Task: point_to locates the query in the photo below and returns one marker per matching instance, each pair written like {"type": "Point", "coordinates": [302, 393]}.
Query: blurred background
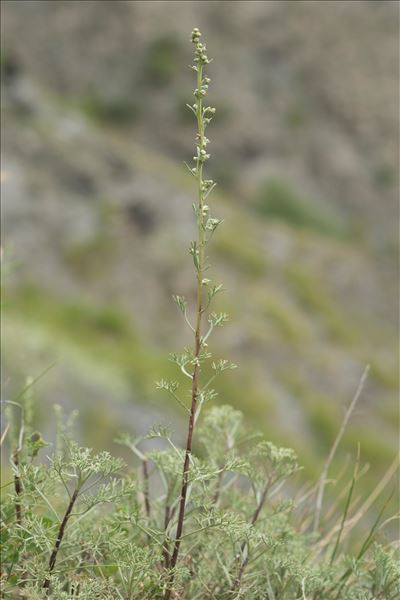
{"type": "Point", "coordinates": [97, 213]}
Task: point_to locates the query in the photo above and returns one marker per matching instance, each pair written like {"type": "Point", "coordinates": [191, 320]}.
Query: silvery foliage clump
{"type": "Point", "coordinates": [76, 524]}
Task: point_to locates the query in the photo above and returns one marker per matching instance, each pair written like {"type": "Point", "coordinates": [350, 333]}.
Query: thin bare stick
{"type": "Point", "coordinates": [347, 506]}
{"type": "Point", "coordinates": [352, 521]}
{"type": "Point", "coordinates": [4, 434]}
{"type": "Point", "coordinates": [324, 474]}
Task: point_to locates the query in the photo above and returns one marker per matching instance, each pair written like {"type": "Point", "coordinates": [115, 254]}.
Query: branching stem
{"type": "Point", "coordinates": [244, 548]}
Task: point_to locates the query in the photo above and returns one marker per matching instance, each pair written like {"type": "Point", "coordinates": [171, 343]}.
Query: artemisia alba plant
{"type": "Point", "coordinates": [76, 525]}
{"type": "Point", "coordinates": [191, 361]}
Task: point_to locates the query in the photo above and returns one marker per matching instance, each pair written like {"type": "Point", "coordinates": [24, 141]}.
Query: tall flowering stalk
{"type": "Point", "coordinates": [190, 362]}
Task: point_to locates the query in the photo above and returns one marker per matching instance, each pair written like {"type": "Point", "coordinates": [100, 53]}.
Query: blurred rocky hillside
{"type": "Point", "coordinates": [97, 211]}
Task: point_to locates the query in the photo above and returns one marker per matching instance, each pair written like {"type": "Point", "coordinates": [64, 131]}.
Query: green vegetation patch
{"type": "Point", "coordinates": [384, 176]}
{"type": "Point", "coordinates": [374, 448]}
{"type": "Point", "coordinates": [105, 333]}
{"type": "Point", "coordinates": [320, 409]}
{"type": "Point", "coordinates": [242, 252]}
{"type": "Point", "coordinates": [118, 111]}
{"type": "Point", "coordinates": [89, 258]}
{"type": "Point", "coordinates": [162, 60]}
{"type": "Point", "coordinates": [385, 372]}
{"type": "Point", "coordinates": [311, 294]}
{"type": "Point", "coordinates": [287, 319]}
{"type": "Point", "coordinates": [278, 200]}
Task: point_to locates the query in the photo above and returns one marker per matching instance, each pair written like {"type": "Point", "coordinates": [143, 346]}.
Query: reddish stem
{"type": "Point", "coordinates": [146, 487]}
{"type": "Point", "coordinates": [18, 509]}
{"type": "Point", "coordinates": [186, 467]}
{"type": "Point", "coordinates": [58, 541]}
{"type": "Point", "coordinates": [18, 489]}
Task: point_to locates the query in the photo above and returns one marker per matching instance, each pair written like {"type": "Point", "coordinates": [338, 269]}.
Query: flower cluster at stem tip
{"type": "Point", "coordinates": [204, 114]}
